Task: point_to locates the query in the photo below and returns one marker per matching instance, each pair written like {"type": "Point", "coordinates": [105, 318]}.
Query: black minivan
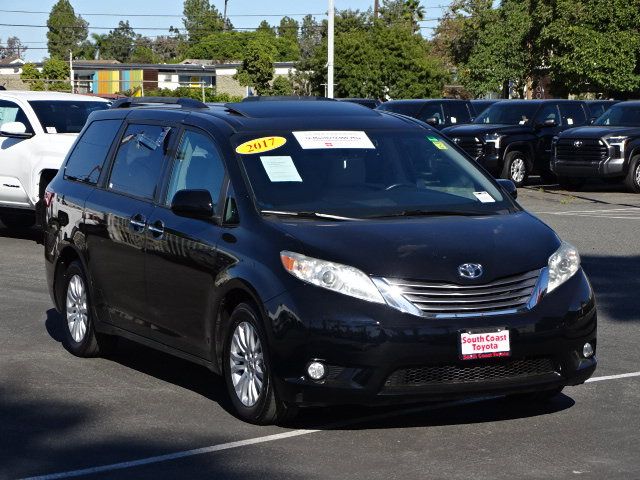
{"type": "Point", "coordinates": [312, 253]}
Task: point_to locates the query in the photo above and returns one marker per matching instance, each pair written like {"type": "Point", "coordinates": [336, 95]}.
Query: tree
{"type": "Point", "coordinates": [32, 77]}
{"type": "Point", "coordinates": [54, 76]}
{"type": "Point", "coordinates": [264, 27]}
{"type": "Point", "coordinates": [119, 43]}
{"type": "Point", "coordinates": [13, 49]}
{"type": "Point", "coordinates": [257, 68]}
{"type": "Point", "coordinates": [281, 86]}
{"type": "Point", "coordinates": [66, 30]}
{"type": "Point", "coordinates": [592, 46]}
{"type": "Point", "coordinates": [201, 19]}
{"type": "Point", "coordinates": [402, 12]}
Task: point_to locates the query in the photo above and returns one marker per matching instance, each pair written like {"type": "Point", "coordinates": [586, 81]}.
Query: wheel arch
{"type": "Point", "coordinates": [66, 257]}
{"type": "Point", "coordinates": [523, 147]}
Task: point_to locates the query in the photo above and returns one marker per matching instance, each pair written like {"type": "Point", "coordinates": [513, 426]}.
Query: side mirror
{"type": "Point", "coordinates": [508, 186]}
{"type": "Point", "coordinates": [193, 204]}
{"type": "Point", "coordinates": [549, 122]}
{"type": "Point", "coordinates": [14, 130]}
{"type": "Point", "coordinates": [433, 121]}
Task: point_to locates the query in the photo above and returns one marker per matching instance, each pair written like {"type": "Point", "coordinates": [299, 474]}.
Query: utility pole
{"type": "Point", "coordinates": [224, 16]}
{"type": "Point", "coordinates": [330, 45]}
{"type": "Point", "coordinates": [71, 70]}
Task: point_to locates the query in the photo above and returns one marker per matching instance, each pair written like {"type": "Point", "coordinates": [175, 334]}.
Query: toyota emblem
{"type": "Point", "coordinates": [470, 270]}
{"type": "Point", "coordinates": [577, 143]}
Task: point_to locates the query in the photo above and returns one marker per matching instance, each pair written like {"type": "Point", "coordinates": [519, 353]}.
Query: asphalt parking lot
{"type": "Point", "coordinates": [145, 415]}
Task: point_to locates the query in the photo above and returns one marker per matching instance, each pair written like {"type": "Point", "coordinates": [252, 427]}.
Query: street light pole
{"type": "Point", "coordinates": [71, 70]}
{"type": "Point", "coordinates": [330, 45]}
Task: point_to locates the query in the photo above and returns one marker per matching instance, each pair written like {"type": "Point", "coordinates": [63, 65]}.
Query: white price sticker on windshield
{"type": "Point", "coordinates": [330, 140]}
{"type": "Point", "coordinates": [281, 169]}
{"type": "Point", "coordinates": [484, 197]}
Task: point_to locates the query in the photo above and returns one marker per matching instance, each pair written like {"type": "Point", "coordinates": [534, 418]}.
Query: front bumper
{"type": "Point", "coordinates": [363, 344]}
{"type": "Point", "coordinates": [611, 167]}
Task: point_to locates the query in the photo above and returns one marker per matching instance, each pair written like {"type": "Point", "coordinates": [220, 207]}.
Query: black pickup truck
{"type": "Point", "coordinates": [609, 149]}
{"type": "Point", "coordinates": [512, 138]}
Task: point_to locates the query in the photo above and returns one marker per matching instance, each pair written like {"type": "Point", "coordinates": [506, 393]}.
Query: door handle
{"type": "Point", "coordinates": [156, 229]}
{"type": "Point", "coordinates": [137, 223]}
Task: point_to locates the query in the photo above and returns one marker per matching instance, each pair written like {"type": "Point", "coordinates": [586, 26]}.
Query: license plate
{"type": "Point", "coordinates": [486, 344]}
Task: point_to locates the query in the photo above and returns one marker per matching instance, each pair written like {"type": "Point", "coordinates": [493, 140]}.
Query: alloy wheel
{"type": "Point", "coordinates": [247, 364]}
{"type": "Point", "coordinates": [518, 170]}
{"type": "Point", "coordinates": [77, 313]}
{"type": "Point", "coordinates": [637, 175]}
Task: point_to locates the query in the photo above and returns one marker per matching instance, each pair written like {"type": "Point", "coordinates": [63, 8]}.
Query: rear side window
{"type": "Point", "coordinates": [458, 112]}
{"type": "Point", "coordinates": [408, 108]}
{"type": "Point", "coordinates": [87, 159]}
{"type": "Point", "coordinates": [139, 161]}
{"type": "Point", "coordinates": [572, 114]}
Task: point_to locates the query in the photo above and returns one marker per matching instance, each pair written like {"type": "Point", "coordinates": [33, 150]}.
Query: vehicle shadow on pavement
{"type": "Point", "coordinates": [157, 364]}
{"type": "Point", "coordinates": [44, 435]}
{"type": "Point", "coordinates": [616, 283]}
{"type": "Point", "coordinates": [583, 192]}
{"type": "Point", "coordinates": [32, 234]}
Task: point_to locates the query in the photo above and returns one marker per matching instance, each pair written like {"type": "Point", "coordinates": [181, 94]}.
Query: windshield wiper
{"type": "Point", "coordinates": [434, 213]}
{"type": "Point", "coordinates": [303, 214]}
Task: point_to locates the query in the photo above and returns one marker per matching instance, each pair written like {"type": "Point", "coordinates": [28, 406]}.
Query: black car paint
{"type": "Point", "coordinates": [535, 141]}
{"type": "Point", "coordinates": [608, 167]}
{"type": "Point", "coordinates": [174, 291]}
{"type": "Point", "coordinates": [417, 109]}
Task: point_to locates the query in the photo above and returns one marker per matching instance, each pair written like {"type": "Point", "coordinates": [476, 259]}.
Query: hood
{"type": "Point", "coordinates": [598, 131]}
{"type": "Point", "coordinates": [430, 248]}
{"type": "Point", "coordinates": [479, 129]}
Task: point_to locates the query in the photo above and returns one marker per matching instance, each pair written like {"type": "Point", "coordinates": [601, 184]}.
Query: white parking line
{"type": "Point", "coordinates": [630, 213]}
{"type": "Point", "coordinates": [272, 438]}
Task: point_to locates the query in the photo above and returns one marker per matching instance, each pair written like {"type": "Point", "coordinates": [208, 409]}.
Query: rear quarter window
{"type": "Point", "coordinates": [89, 155]}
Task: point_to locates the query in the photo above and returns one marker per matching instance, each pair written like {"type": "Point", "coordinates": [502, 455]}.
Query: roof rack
{"type": "Point", "coordinates": [130, 102]}
{"type": "Point", "coordinates": [277, 98]}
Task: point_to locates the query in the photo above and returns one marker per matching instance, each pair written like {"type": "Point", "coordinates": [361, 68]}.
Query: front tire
{"type": "Point", "coordinates": [515, 168]}
{"type": "Point", "coordinates": [80, 337]}
{"type": "Point", "coordinates": [632, 180]}
{"type": "Point", "coordinates": [247, 370]}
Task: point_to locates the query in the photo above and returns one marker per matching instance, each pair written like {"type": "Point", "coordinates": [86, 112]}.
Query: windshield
{"type": "Point", "coordinates": [64, 116]}
{"type": "Point", "coordinates": [620, 116]}
{"type": "Point", "coordinates": [508, 113]}
{"type": "Point", "coordinates": [361, 174]}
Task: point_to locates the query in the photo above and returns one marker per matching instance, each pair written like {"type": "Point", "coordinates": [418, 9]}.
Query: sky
{"type": "Point", "coordinates": [243, 14]}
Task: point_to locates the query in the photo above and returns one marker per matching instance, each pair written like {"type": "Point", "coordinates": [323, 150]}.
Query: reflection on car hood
{"type": "Point", "coordinates": [479, 129]}
{"type": "Point", "coordinates": [429, 248]}
{"type": "Point", "coordinates": [598, 131]}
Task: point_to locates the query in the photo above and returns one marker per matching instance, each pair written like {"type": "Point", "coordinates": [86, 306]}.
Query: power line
{"type": "Point", "coordinates": [167, 15]}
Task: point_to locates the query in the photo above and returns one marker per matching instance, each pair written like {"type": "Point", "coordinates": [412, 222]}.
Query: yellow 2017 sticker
{"type": "Point", "coordinates": [260, 145]}
{"type": "Point", "coordinates": [439, 144]}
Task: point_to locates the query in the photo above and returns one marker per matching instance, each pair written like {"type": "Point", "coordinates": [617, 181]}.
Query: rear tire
{"type": "Point", "coordinates": [18, 220]}
{"type": "Point", "coordinates": [632, 180]}
{"type": "Point", "coordinates": [515, 168]}
{"type": "Point", "coordinates": [247, 370]}
{"type": "Point", "coordinates": [80, 337]}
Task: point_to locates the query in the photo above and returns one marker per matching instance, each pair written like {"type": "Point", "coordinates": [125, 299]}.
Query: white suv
{"type": "Point", "coordinates": [37, 129]}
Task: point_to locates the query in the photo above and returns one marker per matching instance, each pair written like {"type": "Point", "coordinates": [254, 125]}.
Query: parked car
{"type": "Point", "coordinates": [609, 149]}
{"type": "Point", "coordinates": [598, 107]}
{"type": "Point", "coordinates": [366, 102]}
{"type": "Point", "coordinates": [438, 113]}
{"type": "Point", "coordinates": [36, 131]}
{"type": "Point", "coordinates": [512, 138]}
{"type": "Point", "coordinates": [481, 104]}
{"type": "Point", "coordinates": [312, 253]}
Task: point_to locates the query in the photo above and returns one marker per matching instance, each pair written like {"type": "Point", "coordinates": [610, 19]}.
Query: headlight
{"type": "Point", "coordinates": [618, 145]}
{"type": "Point", "coordinates": [563, 264]}
{"type": "Point", "coordinates": [493, 138]}
{"type": "Point", "coordinates": [332, 276]}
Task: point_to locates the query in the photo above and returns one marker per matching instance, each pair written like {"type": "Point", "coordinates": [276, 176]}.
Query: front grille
{"type": "Point", "coordinates": [456, 374]}
{"type": "Point", "coordinates": [473, 146]}
{"type": "Point", "coordinates": [444, 298]}
{"type": "Point", "coordinates": [581, 150]}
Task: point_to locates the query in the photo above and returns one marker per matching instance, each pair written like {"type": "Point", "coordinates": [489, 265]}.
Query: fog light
{"type": "Point", "coordinates": [587, 350]}
{"type": "Point", "coordinates": [316, 370]}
